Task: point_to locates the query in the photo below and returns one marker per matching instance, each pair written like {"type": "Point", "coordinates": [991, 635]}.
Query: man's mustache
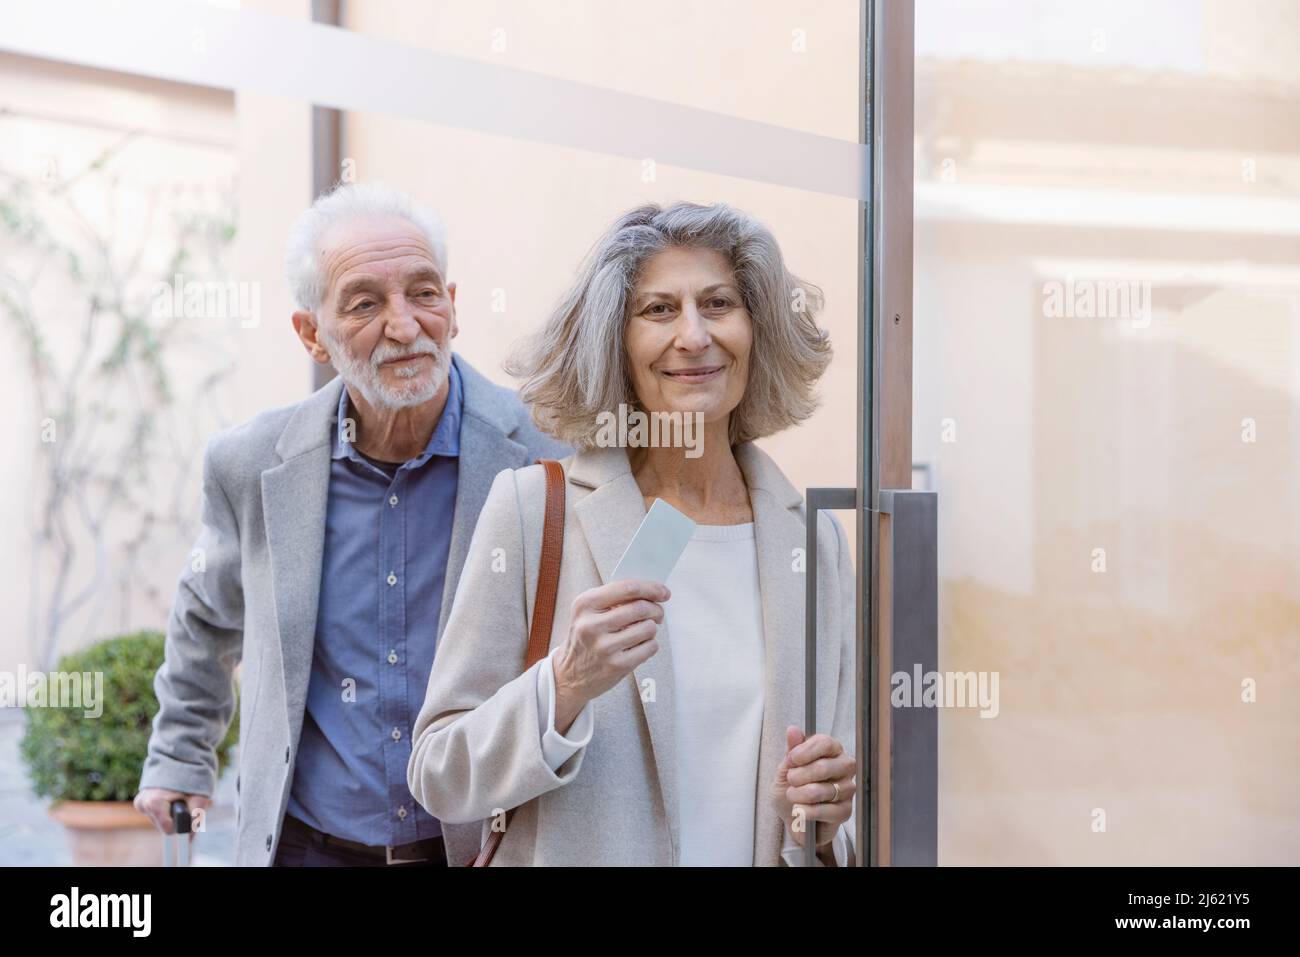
{"type": "Point", "coordinates": [387, 353]}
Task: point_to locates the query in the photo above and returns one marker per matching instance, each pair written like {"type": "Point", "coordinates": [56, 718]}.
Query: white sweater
{"type": "Point", "coordinates": [715, 624]}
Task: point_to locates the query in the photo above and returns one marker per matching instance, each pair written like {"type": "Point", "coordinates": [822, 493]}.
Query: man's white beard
{"type": "Point", "coordinates": [366, 378]}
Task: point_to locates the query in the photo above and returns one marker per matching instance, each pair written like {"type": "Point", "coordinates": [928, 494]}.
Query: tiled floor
{"type": "Point", "coordinates": [30, 837]}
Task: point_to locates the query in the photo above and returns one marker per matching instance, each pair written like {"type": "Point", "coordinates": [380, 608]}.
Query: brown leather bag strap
{"type": "Point", "coordinates": [548, 581]}
{"type": "Point", "coordinates": [548, 571]}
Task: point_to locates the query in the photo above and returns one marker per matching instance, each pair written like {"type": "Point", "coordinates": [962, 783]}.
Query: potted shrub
{"type": "Point", "coordinates": [90, 766]}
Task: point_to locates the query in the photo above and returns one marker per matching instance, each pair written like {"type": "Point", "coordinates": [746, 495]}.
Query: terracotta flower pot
{"type": "Point", "coordinates": [109, 834]}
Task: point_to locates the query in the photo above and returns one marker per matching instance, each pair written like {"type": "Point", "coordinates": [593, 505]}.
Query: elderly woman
{"type": "Point", "coordinates": [664, 725]}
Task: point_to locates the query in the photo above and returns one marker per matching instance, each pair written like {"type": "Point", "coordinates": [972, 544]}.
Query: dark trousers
{"type": "Point", "coordinates": [301, 846]}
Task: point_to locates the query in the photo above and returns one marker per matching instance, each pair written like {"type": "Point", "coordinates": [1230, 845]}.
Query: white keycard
{"type": "Point", "coordinates": [656, 546]}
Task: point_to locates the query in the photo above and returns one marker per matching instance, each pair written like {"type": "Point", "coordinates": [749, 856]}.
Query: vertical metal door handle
{"type": "Point", "coordinates": [818, 499]}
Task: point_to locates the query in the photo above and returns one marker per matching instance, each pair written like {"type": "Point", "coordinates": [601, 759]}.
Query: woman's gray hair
{"type": "Point", "coordinates": [350, 201]}
{"type": "Point", "coordinates": [576, 367]}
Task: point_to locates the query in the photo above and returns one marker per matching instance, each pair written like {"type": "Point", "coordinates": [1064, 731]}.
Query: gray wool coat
{"type": "Point", "coordinates": [254, 594]}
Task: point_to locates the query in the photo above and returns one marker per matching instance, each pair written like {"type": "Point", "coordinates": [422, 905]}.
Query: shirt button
{"type": "Point", "coordinates": [392, 657]}
{"type": "Point", "coordinates": [397, 735]}
{"type": "Point", "coordinates": [392, 500]}
{"type": "Point", "coordinates": [392, 578]}
{"type": "Point", "coordinates": [401, 813]}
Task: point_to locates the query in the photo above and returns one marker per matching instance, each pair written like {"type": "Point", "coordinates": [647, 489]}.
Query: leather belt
{"type": "Point", "coordinates": [428, 849]}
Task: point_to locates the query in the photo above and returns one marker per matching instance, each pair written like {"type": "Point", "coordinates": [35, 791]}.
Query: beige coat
{"type": "Point", "coordinates": [477, 742]}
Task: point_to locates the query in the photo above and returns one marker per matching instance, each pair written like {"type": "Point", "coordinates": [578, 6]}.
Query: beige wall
{"type": "Point", "coordinates": [172, 150]}
{"type": "Point", "coordinates": [166, 151]}
{"type": "Point", "coordinates": [521, 215]}
{"type": "Point", "coordinates": [274, 156]}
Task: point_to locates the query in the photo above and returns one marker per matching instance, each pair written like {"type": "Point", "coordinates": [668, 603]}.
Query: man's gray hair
{"type": "Point", "coordinates": [350, 201]}
{"type": "Point", "coordinates": [575, 367]}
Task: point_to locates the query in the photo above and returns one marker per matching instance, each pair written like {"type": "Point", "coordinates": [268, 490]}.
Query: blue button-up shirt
{"type": "Point", "coordinates": [387, 531]}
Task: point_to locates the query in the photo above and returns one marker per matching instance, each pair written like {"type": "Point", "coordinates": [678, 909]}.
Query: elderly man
{"type": "Point", "coordinates": [334, 531]}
